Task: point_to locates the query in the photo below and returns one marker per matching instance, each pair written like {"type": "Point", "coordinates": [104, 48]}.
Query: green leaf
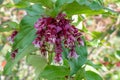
{"type": "Point", "coordinates": [94, 5]}
{"type": "Point", "coordinates": [111, 30]}
{"type": "Point", "coordinates": [52, 72]}
{"type": "Point", "coordinates": [88, 62]}
{"type": "Point", "coordinates": [90, 75]}
{"type": "Point", "coordinates": [16, 1]}
{"type": "Point", "coordinates": [27, 32]}
{"type": "Point", "coordinates": [83, 2]}
{"type": "Point", "coordinates": [94, 43]}
{"type": "Point", "coordinates": [65, 52]}
{"type": "Point", "coordinates": [96, 34]}
{"type": "Point", "coordinates": [7, 56]}
{"type": "Point", "coordinates": [118, 52]}
{"type": "Point", "coordinates": [85, 29]}
{"type": "Point", "coordinates": [34, 10]}
{"type": "Point", "coordinates": [106, 59]}
{"type": "Point", "coordinates": [5, 29]}
{"type": "Point", "coordinates": [28, 22]}
{"type": "Point", "coordinates": [22, 4]}
{"type": "Point", "coordinates": [60, 3]}
{"type": "Point", "coordinates": [82, 52]}
{"type": "Point", "coordinates": [22, 52]}
{"type": "Point", "coordinates": [80, 74]}
{"type": "Point", "coordinates": [46, 3]}
{"type": "Point", "coordinates": [75, 8]}
{"type": "Point", "coordinates": [23, 42]}
{"type": "Point", "coordinates": [10, 26]}
{"type": "Point", "coordinates": [38, 62]}
{"type": "Point", "coordinates": [76, 64]}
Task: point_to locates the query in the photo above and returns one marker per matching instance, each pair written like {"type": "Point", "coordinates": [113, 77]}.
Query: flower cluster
{"type": "Point", "coordinates": [11, 40]}
{"type": "Point", "coordinates": [13, 54]}
{"type": "Point", "coordinates": [56, 31]}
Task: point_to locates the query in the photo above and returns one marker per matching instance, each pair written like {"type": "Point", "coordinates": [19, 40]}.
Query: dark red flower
{"type": "Point", "coordinates": [37, 42]}
{"type": "Point", "coordinates": [73, 54]}
{"type": "Point", "coordinates": [80, 41]}
{"type": "Point", "coordinates": [56, 31]}
{"type": "Point", "coordinates": [11, 38]}
{"type": "Point", "coordinates": [58, 58]}
{"type": "Point", "coordinates": [13, 54]}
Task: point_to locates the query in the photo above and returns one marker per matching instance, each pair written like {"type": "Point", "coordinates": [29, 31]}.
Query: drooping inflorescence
{"type": "Point", "coordinates": [13, 54]}
{"type": "Point", "coordinates": [56, 31]}
{"type": "Point", "coordinates": [11, 40]}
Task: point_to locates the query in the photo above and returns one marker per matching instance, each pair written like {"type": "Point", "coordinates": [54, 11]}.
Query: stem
{"type": "Point", "coordinates": [50, 57]}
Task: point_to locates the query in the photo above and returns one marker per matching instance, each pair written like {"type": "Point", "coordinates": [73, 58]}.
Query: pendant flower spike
{"type": "Point", "coordinates": [11, 40]}
{"type": "Point", "coordinates": [14, 53]}
{"type": "Point", "coordinates": [56, 31]}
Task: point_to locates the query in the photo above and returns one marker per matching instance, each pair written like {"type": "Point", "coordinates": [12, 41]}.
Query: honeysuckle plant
{"type": "Point", "coordinates": [50, 41]}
